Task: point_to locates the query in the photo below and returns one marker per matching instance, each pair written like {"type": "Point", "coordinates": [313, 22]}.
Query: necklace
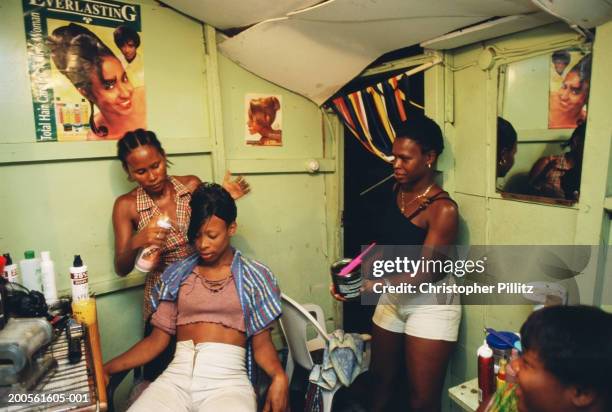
{"type": "Point", "coordinates": [214, 286]}
{"type": "Point", "coordinates": [422, 195]}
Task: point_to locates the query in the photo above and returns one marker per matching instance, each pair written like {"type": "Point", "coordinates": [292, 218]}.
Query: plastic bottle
{"type": "Point", "coordinates": [47, 271]}
{"type": "Point", "coordinates": [10, 269]}
{"type": "Point", "coordinates": [80, 280]}
{"type": "Point", "coordinates": [486, 377]}
{"type": "Point", "coordinates": [148, 257]}
{"type": "Point", "coordinates": [84, 113]}
{"type": "Point", "coordinates": [77, 125]}
{"type": "Point", "coordinates": [30, 271]}
{"type": "Point", "coordinates": [67, 117]}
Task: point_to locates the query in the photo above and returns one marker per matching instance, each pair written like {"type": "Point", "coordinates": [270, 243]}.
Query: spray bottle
{"type": "Point", "coordinates": [148, 257]}
{"type": "Point", "coordinates": [80, 280]}
{"type": "Point", "coordinates": [10, 269]}
{"type": "Point", "coordinates": [47, 270]}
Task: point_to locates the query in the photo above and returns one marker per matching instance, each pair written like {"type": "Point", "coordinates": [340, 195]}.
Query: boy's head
{"type": "Point", "coordinates": [213, 221]}
{"type": "Point", "coordinates": [560, 60]}
{"type": "Point", "coordinates": [567, 360]}
{"type": "Point", "coordinates": [127, 40]}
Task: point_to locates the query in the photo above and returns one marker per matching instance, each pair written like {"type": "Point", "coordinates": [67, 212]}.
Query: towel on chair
{"type": "Point", "coordinates": [342, 361]}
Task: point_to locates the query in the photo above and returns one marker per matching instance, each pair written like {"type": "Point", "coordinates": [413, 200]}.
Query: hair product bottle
{"type": "Point", "coordinates": [77, 125]}
{"type": "Point", "coordinates": [486, 376]}
{"type": "Point", "coordinates": [47, 271]}
{"type": "Point", "coordinates": [79, 279]}
{"type": "Point", "coordinates": [67, 117]}
{"type": "Point", "coordinates": [30, 271]}
{"type": "Point", "coordinates": [148, 257]}
{"type": "Point", "coordinates": [10, 269]}
{"type": "Point", "coordinates": [85, 113]}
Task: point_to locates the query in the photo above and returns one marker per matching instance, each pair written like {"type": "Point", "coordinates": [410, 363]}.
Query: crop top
{"type": "Point", "coordinates": [196, 303]}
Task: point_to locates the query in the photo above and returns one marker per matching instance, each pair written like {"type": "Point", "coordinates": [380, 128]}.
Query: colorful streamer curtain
{"type": "Point", "coordinates": [372, 114]}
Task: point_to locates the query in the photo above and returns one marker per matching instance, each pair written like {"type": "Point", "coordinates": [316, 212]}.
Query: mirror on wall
{"type": "Point", "coordinates": [542, 114]}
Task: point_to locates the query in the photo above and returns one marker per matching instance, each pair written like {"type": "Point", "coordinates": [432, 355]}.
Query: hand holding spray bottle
{"type": "Point", "coordinates": [148, 258]}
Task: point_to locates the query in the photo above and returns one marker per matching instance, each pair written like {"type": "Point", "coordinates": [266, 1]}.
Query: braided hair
{"type": "Point", "coordinates": [134, 139]}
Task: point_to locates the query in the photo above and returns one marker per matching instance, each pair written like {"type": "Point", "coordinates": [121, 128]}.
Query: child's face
{"type": "Point", "coordinates": [213, 239]}
{"type": "Point", "coordinates": [559, 66]}
{"type": "Point", "coordinates": [129, 50]}
{"type": "Point", "coordinates": [539, 390]}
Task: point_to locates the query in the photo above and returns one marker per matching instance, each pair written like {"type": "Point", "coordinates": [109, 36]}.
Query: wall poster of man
{"type": "Point", "coordinates": [86, 68]}
{"type": "Point", "coordinates": [263, 120]}
{"type": "Point", "coordinates": [570, 73]}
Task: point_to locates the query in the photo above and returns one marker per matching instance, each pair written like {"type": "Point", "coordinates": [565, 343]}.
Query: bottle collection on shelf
{"type": "Point", "coordinates": [39, 274]}
{"type": "Point", "coordinates": [495, 370]}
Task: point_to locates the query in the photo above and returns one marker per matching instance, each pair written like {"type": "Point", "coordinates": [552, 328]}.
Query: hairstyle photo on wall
{"type": "Point", "coordinates": [86, 70]}
{"type": "Point", "coordinates": [263, 120]}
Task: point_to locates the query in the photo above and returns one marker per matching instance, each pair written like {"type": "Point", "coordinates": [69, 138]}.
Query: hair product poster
{"type": "Point", "coordinates": [85, 60]}
{"type": "Point", "coordinates": [570, 78]}
{"type": "Point", "coordinates": [263, 119]}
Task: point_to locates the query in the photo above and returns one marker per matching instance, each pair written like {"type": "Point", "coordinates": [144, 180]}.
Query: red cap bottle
{"type": "Point", "coordinates": [486, 375]}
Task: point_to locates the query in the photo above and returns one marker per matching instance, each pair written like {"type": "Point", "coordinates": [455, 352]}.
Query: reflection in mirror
{"type": "Point", "coordinates": [541, 125]}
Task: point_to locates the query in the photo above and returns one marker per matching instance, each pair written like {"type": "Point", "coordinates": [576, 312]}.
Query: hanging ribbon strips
{"type": "Point", "coordinates": [372, 114]}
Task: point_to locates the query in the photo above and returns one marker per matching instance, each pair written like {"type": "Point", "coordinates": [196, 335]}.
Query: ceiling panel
{"type": "Point", "coordinates": [227, 14]}
{"type": "Point", "coordinates": [314, 48]}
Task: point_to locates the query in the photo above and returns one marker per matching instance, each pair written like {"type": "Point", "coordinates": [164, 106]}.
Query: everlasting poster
{"type": "Point", "coordinates": [85, 60]}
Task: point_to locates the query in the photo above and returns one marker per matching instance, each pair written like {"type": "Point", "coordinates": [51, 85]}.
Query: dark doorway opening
{"type": "Point", "coordinates": [362, 169]}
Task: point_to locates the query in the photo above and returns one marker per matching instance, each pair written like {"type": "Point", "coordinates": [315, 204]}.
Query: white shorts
{"type": "Point", "coordinates": [208, 376]}
{"type": "Point", "coordinates": [436, 322]}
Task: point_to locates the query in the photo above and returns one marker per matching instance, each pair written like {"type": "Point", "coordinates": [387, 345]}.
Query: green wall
{"type": "Point", "coordinates": [59, 196]}
{"type": "Point", "coordinates": [464, 98]}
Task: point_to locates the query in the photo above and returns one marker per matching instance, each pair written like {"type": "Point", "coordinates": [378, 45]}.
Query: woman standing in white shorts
{"type": "Point", "coordinates": [417, 212]}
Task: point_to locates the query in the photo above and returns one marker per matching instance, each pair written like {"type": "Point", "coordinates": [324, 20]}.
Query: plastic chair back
{"type": "Point", "coordinates": [295, 321]}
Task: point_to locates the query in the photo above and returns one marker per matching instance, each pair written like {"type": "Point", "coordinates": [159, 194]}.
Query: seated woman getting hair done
{"type": "Point", "coordinates": [135, 216]}
{"type": "Point", "coordinates": [220, 304]}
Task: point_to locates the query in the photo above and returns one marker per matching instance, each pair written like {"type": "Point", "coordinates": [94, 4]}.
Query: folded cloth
{"type": "Point", "coordinates": [342, 361]}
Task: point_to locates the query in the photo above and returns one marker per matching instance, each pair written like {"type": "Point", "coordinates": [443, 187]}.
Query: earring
{"type": "Point", "coordinates": [429, 165]}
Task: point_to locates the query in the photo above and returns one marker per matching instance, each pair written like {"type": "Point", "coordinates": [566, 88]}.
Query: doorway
{"type": "Point", "coordinates": [362, 169]}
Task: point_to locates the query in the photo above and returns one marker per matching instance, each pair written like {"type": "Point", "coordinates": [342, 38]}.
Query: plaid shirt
{"type": "Point", "coordinates": [177, 246]}
{"type": "Point", "coordinates": [256, 286]}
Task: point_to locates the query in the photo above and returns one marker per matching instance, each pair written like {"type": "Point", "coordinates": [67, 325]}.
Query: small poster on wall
{"type": "Point", "coordinates": [264, 120]}
{"type": "Point", "coordinates": [570, 73]}
{"type": "Point", "coordinates": [85, 61]}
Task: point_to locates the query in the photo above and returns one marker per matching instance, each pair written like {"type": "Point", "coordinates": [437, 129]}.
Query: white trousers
{"type": "Point", "coordinates": [208, 376]}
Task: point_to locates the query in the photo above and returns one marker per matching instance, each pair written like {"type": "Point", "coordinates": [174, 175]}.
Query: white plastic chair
{"type": "Point", "coordinates": [294, 323]}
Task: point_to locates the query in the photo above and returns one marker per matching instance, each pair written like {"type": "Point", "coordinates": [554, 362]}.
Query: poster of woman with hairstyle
{"type": "Point", "coordinates": [86, 70]}
{"type": "Point", "coordinates": [263, 120]}
{"type": "Point", "coordinates": [568, 98]}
